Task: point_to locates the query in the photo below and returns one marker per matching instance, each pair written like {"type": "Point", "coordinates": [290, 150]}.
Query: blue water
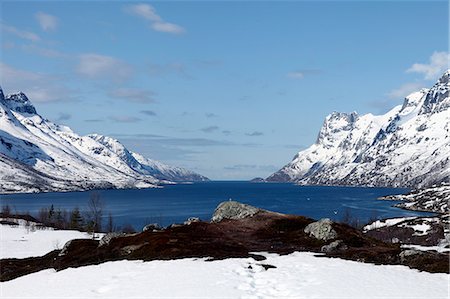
{"type": "Point", "coordinates": [175, 203]}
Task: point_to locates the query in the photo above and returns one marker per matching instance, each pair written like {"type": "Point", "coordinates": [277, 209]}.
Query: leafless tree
{"type": "Point", "coordinates": [95, 212]}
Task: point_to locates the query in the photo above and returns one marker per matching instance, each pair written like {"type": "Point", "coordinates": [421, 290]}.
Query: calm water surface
{"type": "Point", "coordinates": [175, 203]}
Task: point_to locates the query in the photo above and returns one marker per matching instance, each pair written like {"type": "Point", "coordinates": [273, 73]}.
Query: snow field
{"type": "Point", "coordinates": [298, 275]}
{"type": "Point", "coordinates": [21, 242]}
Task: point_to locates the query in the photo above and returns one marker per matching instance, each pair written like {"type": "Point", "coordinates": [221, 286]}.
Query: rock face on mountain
{"type": "Point", "coordinates": [37, 155]}
{"type": "Point", "coordinates": [407, 147]}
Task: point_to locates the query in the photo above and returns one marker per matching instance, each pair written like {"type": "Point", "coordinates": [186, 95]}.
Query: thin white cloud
{"type": "Point", "coordinates": [145, 11]}
{"type": "Point", "coordinates": [168, 27]}
{"type": "Point", "coordinates": [39, 87]}
{"type": "Point", "coordinates": [133, 94]}
{"type": "Point", "coordinates": [300, 74]}
{"type": "Point", "coordinates": [45, 52]}
{"type": "Point", "coordinates": [296, 75]}
{"type": "Point", "coordinates": [46, 21]}
{"type": "Point", "coordinates": [95, 66]}
{"type": "Point", "coordinates": [27, 35]}
{"type": "Point", "coordinates": [148, 12]}
{"type": "Point", "coordinates": [405, 90]}
{"type": "Point", "coordinates": [439, 63]}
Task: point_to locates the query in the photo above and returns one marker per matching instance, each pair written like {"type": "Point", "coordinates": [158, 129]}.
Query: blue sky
{"type": "Point", "coordinates": [232, 90]}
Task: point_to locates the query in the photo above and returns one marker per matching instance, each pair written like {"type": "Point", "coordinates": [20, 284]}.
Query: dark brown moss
{"type": "Point", "coordinates": [265, 232]}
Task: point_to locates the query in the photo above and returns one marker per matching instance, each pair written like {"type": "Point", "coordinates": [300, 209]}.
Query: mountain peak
{"type": "Point", "coordinates": [19, 102]}
{"type": "Point", "coordinates": [406, 147]}
{"type": "Point", "coordinates": [335, 124]}
{"type": "Point", "coordinates": [437, 99]}
{"type": "Point", "coordinates": [445, 77]}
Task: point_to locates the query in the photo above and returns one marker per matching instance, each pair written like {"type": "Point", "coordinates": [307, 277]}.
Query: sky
{"type": "Point", "coordinates": [232, 90]}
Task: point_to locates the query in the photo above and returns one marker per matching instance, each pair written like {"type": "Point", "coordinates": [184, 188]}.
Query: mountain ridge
{"type": "Point", "coordinates": [37, 155]}
{"type": "Point", "coordinates": [408, 146]}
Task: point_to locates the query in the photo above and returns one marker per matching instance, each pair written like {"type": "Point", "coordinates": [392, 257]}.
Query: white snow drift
{"type": "Point", "coordinates": [298, 275]}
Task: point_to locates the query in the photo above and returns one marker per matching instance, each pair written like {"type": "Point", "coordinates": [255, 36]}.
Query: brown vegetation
{"type": "Point", "coordinates": [264, 232]}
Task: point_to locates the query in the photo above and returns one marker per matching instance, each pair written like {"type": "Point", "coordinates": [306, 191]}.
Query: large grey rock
{"type": "Point", "coordinates": [321, 230]}
{"type": "Point", "coordinates": [334, 246]}
{"type": "Point", "coordinates": [233, 210]}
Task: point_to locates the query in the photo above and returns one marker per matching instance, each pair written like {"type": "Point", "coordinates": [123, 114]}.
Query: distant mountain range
{"type": "Point", "coordinates": [407, 147]}
{"type": "Point", "coordinates": [37, 155]}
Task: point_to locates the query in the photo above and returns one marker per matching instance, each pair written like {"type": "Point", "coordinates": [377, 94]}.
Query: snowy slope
{"type": "Point", "coordinates": [434, 199]}
{"type": "Point", "coordinates": [28, 240]}
{"type": "Point", "coordinates": [297, 275]}
{"type": "Point", "coordinates": [408, 146]}
{"type": "Point", "coordinates": [38, 155]}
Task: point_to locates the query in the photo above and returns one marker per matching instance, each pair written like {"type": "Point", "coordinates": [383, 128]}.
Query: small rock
{"type": "Point", "coordinates": [108, 237]}
{"type": "Point", "coordinates": [334, 246]}
{"type": "Point", "coordinates": [408, 253]}
{"type": "Point", "coordinates": [152, 227]}
{"type": "Point", "coordinates": [233, 210]}
{"type": "Point", "coordinates": [129, 249]}
{"type": "Point", "coordinates": [65, 248]}
{"type": "Point", "coordinates": [395, 240]}
{"type": "Point", "coordinates": [191, 220]}
{"type": "Point", "coordinates": [321, 230]}
{"type": "Point", "coordinates": [267, 266]}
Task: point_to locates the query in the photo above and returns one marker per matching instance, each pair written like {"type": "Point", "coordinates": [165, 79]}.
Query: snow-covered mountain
{"type": "Point", "coordinates": [37, 155]}
{"type": "Point", "coordinates": [409, 146]}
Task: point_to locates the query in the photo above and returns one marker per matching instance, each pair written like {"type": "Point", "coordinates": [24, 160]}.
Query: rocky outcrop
{"type": "Point", "coordinates": [152, 227]}
{"type": "Point", "coordinates": [108, 237]}
{"type": "Point", "coordinates": [233, 210]}
{"type": "Point", "coordinates": [321, 230]}
{"type": "Point", "coordinates": [334, 246]}
{"type": "Point", "coordinates": [435, 199]}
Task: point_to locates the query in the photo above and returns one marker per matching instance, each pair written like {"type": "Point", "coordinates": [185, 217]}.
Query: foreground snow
{"type": "Point", "coordinates": [298, 275]}
{"type": "Point", "coordinates": [21, 241]}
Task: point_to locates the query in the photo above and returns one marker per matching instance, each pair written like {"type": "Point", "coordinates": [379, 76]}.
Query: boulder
{"type": "Point", "coordinates": [337, 245]}
{"type": "Point", "coordinates": [233, 210]}
{"type": "Point", "coordinates": [108, 237]}
{"type": "Point", "coordinates": [65, 248]}
{"type": "Point", "coordinates": [321, 230]}
{"type": "Point", "coordinates": [152, 227]}
{"type": "Point", "coordinates": [191, 220]}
